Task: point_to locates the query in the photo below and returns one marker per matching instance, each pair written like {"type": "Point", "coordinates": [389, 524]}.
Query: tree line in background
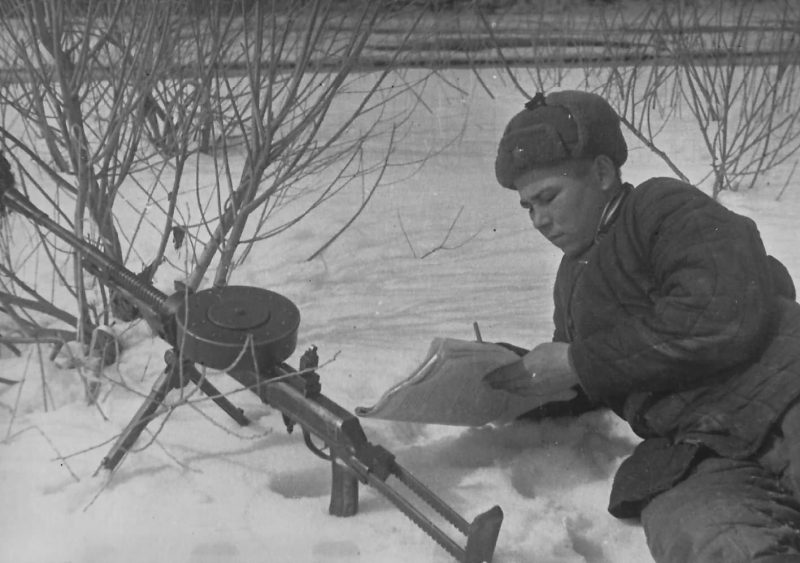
{"type": "Point", "coordinates": [111, 108]}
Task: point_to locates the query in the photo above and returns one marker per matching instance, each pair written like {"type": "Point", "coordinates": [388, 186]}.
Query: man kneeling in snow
{"type": "Point", "coordinates": [669, 311]}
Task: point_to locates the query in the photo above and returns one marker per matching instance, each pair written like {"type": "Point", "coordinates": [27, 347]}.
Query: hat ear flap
{"type": "Point", "coordinates": [526, 148]}
{"type": "Point", "coordinates": [598, 125]}
{"type": "Point", "coordinates": [579, 117]}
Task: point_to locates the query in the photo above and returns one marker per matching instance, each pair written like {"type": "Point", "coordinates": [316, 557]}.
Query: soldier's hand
{"type": "Point", "coordinates": [545, 370]}
{"type": "Point", "coordinates": [513, 378]}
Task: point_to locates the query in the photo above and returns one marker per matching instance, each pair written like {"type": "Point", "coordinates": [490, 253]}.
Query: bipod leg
{"type": "Point", "coordinates": [163, 385]}
{"type": "Point", "coordinates": [190, 371]}
{"type": "Point", "coordinates": [175, 375]}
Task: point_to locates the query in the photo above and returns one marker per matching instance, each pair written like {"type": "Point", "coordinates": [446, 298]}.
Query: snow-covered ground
{"type": "Point", "coordinates": [209, 491]}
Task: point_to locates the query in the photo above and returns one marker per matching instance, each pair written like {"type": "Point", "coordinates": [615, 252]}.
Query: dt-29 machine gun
{"type": "Point", "coordinates": [249, 333]}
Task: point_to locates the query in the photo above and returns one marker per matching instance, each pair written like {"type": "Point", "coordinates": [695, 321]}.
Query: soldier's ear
{"type": "Point", "coordinates": [606, 172]}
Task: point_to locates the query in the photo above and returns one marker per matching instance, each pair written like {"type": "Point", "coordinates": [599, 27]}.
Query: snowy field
{"type": "Point", "coordinates": [209, 491]}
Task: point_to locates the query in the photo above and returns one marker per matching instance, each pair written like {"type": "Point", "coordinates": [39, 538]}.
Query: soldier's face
{"type": "Point", "coordinates": [565, 202]}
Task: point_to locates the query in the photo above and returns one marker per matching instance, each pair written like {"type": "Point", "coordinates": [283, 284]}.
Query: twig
{"type": "Point", "coordinates": [19, 395]}
{"type": "Point", "coordinates": [91, 448]}
{"type": "Point", "coordinates": [47, 439]}
{"type": "Point", "coordinates": [648, 142]}
{"type": "Point", "coordinates": [174, 458]}
{"type": "Point", "coordinates": [504, 62]}
{"type": "Point", "coordinates": [405, 234]}
{"type": "Point", "coordinates": [109, 475]}
{"type": "Point", "coordinates": [261, 382]}
{"type": "Point", "coordinates": [45, 387]}
{"type": "Point", "coordinates": [9, 343]}
{"type": "Point", "coordinates": [225, 429]}
{"type": "Point", "coordinates": [443, 245]}
{"type": "Point", "coordinates": [788, 181]}
{"type": "Point", "coordinates": [167, 413]}
{"type": "Point", "coordinates": [361, 208]}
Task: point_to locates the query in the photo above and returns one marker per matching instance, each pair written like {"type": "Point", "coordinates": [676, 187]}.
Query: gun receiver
{"type": "Point", "coordinates": [248, 332]}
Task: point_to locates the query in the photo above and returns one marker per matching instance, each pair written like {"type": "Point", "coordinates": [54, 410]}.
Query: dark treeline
{"type": "Point", "coordinates": [9, 8]}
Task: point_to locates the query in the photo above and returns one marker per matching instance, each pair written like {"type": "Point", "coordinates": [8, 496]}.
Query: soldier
{"type": "Point", "coordinates": [669, 311]}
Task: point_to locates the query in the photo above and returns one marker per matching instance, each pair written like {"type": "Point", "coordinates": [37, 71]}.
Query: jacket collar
{"type": "Point", "coordinates": [611, 211]}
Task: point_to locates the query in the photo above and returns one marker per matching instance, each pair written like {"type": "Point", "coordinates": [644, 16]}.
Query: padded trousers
{"type": "Point", "coordinates": [733, 511]}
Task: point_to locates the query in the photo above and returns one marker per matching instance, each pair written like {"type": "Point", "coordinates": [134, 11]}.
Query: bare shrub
{"type": "Point", "coordinates": [731, 66]}
{"type": "Point", "coordinates": [111, 109]}
{"type": "Point", "coordinates": [76, 92]}
{"type": "Point", "coordinates": [738, 80]}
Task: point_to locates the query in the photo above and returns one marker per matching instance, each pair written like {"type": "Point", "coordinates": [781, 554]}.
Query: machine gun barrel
{"type": "Point", "coordinates": [93, 259]}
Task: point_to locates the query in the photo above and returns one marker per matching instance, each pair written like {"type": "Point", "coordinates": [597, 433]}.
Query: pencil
{"type": "Point", "coordinates": [477, 330]}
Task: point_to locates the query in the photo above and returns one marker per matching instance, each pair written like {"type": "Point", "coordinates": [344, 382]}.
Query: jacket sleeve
{"type": "Point", "coordinates": [710, 306]}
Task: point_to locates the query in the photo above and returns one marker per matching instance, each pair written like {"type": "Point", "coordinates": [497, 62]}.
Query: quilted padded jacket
{"type": "Point", "coordinates": [681, 323]}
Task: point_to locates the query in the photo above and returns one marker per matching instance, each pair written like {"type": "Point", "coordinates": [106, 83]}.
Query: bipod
{"type": "Point", "coordinates": [176, 375]}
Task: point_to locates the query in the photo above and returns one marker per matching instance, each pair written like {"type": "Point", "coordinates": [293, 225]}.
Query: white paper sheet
{"type": "Point", "coordinates": [448, 388]}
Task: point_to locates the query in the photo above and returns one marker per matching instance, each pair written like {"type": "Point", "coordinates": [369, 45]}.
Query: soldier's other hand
{"type": "Point", "coordinates": [544, 371]}
{"type": "Point", "coordinates": [513, 378]}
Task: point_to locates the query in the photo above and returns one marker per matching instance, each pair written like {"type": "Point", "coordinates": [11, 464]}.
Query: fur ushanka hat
{"type": "Point", "coordinates": [562, 125]}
